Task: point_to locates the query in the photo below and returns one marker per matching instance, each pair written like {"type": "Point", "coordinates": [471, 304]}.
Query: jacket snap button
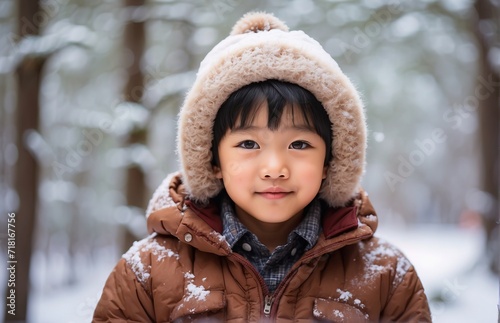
{"type": "Point", "coordinates": [188, 237]}
{"type": "Point", "coordinates": [246, 247]}
{"type": "Point", "coordinates": [294, 251]}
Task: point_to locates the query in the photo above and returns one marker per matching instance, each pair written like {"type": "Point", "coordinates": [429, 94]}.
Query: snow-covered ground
{"type": "Point", "coordinates": [72, 305]}
{"type": "Point", "coordinates": [447, 259]}
{"type": "Point", "coordinates": [453, 270]}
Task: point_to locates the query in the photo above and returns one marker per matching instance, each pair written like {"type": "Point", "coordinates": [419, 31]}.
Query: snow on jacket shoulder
{"type": "Point", "coordinates": [185, 271]}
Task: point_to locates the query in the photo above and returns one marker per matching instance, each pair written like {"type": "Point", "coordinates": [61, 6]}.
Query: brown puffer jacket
{"type": "Point", "coordinates": [185, 271]}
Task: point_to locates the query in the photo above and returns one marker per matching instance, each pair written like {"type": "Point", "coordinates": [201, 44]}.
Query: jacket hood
{"type": "Point", "coordinates": [259, 48]}
{"type": "Point", "coordinates": [170, 212]}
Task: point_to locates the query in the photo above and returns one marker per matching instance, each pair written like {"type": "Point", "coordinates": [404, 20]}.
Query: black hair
{"type": "Point", "coordinates": [243, 104]}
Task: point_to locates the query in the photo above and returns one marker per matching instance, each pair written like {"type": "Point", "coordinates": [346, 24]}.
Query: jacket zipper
{"type": "Point", "coordinates": [268, 303]}
{"type": "Point", "coordinates": [269, 299]}
{"type": "Point", "coordinates": [278, 292]}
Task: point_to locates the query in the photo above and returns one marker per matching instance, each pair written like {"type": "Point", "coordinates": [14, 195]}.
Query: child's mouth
{"type": "Point", "coordinates": [274, 193]}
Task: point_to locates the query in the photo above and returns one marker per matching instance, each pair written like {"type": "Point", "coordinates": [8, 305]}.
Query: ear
{"type": "Point", "coordinates": [217, 172]}
{"type": "Point", "coordinates": [325, 170]}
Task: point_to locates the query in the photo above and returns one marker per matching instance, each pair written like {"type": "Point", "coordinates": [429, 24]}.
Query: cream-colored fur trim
{"type": "Point", "coordinates": [294, 57]}
{"type": "Point", "coordinates": [257, 21]}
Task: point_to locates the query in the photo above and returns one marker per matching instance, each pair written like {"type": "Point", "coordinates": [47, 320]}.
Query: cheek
{"type": "Point", "coordinates": [234, 168]}
{"type": "Point", "coordinates": [313, 172]}
{"type": "Point", "coordinates": [231, 172]}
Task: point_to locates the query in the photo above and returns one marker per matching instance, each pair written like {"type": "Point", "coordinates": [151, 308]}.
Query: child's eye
{"type": "Point", "coordinates": [248, 144]}
{"type": "Point", "coordinates": [299, 145]}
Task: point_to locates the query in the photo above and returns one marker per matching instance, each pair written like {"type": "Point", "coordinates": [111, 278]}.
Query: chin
{"type": "Point", "coordinates": [273, 219]}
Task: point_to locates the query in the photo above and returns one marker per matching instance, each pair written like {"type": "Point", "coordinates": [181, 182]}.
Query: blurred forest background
{"type": "Point", "coordinates": [90, 92]}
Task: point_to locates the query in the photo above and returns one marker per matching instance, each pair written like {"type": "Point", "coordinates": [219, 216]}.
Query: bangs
{"type": "Point", "coordinates": [240, 109]}
{"type": "Point", "coordinates": [279, 100]}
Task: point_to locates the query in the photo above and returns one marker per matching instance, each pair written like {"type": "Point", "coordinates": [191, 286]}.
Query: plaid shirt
{"type": "Point", "coordinates": [272, 266]}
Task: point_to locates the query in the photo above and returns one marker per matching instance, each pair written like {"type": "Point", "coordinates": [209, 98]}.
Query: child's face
{"type": "Point", "coordinates": [272, 175]}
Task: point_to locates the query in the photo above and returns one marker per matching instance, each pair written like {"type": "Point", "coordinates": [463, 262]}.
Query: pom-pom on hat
{"type": "Point", "coordinates": [260, 47]}
{"type": "Point", "coordinates": [256, 22]}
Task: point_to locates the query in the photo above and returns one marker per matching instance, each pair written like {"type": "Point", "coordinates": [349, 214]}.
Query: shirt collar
{"type": "Point", "coordinates": [233, 229]}
{"type": "Point", "coordinates": [310, 226]}
{"type": "Point", "coordinates": [308, 229]}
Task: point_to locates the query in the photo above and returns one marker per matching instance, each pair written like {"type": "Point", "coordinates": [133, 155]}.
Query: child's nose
{"type": "Point", "coordinates": [274, 166]}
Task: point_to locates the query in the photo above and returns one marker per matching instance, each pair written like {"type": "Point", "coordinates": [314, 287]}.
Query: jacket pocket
{"type": "Point", "coordinates": [206, 307]}
{"type": "Point", "coordinates": [333, 311]}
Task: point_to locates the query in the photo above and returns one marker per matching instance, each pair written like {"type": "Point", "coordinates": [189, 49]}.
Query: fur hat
{"type": "Point", "coordinates": [259, 48]}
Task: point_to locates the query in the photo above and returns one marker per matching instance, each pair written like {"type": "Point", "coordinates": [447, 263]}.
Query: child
{"type": "Point", "coordinates": [266, 220]}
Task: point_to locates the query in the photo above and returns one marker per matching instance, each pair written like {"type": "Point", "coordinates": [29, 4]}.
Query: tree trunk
{"type": "Point", "coordinates": [489, 116]}
{"type": "Point", "coordinates": [134, 43]}
{"type": "Point", "coordinates": [29, 75]}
